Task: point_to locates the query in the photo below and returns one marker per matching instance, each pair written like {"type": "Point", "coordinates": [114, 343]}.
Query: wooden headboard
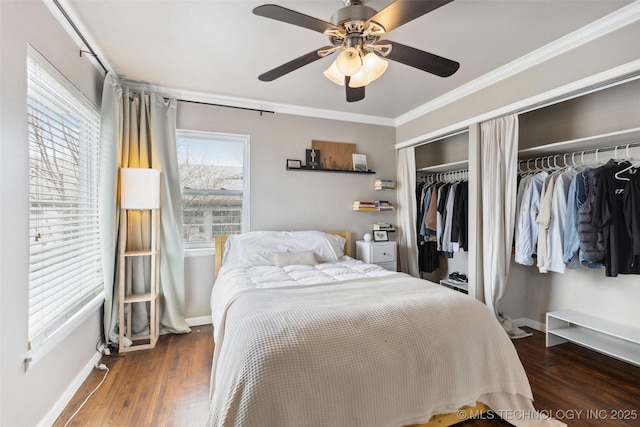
{"type": "Point", "coordinates": [221, 239]}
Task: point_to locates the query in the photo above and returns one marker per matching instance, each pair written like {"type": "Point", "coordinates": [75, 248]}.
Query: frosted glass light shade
{"type": "Point", "coordinates": [349, 62]}
{"type": "Point", "coordinates": [333, 74]}
{"type": "Point", "coordinates": [374, 66]}
{"type": "Point", "coordinates": [139, 188]}
{"type": "Point", "coordinates": [359, 79]}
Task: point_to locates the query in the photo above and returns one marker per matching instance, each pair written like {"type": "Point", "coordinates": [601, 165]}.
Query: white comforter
{"type": "Point", "coordinates": [376, 351]}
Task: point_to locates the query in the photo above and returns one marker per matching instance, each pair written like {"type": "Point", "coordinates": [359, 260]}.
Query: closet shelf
{"type": "Point", "coordinates": [446, 167]}
{"type": "Point", "coordinates": [612, 139]}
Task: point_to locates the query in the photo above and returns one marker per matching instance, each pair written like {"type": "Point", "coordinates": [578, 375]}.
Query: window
{"type": "Point", "coordinates": [65, 262]}
{"type": "Point", "coordinates": [214, 182]}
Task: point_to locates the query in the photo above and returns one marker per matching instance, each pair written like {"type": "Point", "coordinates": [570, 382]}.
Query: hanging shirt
{"type": "Point", "coordinates": [544, 218]}
{"type": "Point", "coordinates": [526, 221]}
{"type": "Point", "coordinates": [447, 246]}
{"type": "Point", "coordinates": [441, 212]}
{"type": "Point", "coordinates": [554, 260]}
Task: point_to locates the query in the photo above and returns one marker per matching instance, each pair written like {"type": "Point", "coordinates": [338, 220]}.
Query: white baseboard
{"type": "Point", "coordinates": [68, 394]}
{"type": "Point", "coordinates": [197, 321]}
{"type": "Point", "coordinates": [530, 323]}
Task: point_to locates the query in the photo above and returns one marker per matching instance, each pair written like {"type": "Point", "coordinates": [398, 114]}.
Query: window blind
{"type": "Point", "coordinates": [65, 266]}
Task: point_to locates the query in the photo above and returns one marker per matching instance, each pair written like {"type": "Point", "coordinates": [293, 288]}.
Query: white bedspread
{"type": "Point", "coordinates": [384, 351]}
{"type": "Point", "coordinates": [234, 279]}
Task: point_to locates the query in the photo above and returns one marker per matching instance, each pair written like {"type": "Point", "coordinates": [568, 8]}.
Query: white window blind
{"type": "Point", "coordinates": [65, 267]}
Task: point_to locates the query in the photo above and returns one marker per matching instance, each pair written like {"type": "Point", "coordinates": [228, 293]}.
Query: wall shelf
{"type": "Point", "coordinates": [304, 168]}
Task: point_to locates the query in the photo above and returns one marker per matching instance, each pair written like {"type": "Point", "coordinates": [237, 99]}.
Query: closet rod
{"type": "Point", "coordinates": [454, 175]}
{"type": "Point", "coordinates": [623, 147]}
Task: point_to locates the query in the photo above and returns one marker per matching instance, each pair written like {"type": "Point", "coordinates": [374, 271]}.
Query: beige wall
{"type": "Point", "coordinates": [26, 398]}
{"type": "Point", "coordinates": [293, 200]}
{"type": "Point", "coordinates": [611, 50]}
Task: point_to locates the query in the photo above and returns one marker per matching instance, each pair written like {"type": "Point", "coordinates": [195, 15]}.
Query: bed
{"type": "Point", "coordinates": [306, 335]}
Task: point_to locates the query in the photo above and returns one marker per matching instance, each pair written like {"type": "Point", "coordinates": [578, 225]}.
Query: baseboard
{"type": "Point", "coordinates": [68, 394]}
{"type": "Point", "coordinates": [530, 323]}
{"type": "Point", "coordinates": [197, 321]}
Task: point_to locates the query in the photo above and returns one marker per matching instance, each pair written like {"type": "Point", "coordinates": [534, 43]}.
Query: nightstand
{"type": "Point", "coordinates": [380, 253]}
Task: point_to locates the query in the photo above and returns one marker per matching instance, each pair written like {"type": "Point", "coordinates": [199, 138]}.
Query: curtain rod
{"type": "Point", "coordinates": [77, 31]}
{"type": "Point", "coordinates": [93, 53]}
{"type": "Point", "coordinates": [259, 110]}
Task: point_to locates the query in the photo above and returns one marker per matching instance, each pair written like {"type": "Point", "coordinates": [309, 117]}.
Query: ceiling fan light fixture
{"type": "Point", "coordinates": [333, 74]}
{"type": "Point", "coordinates": [359, 79]}
{"type": "Point", "coordinates": [374, 66]}
{"type": "Point", "coordinates": [349, 61]}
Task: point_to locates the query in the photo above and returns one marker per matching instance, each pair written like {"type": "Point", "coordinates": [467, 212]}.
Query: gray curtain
{"type": "Point", "coordinates": [499, 163]}
{"type": "Point", "coordinates": [138, 130]}
{"type": "Point", "coordinates": [406, 212]}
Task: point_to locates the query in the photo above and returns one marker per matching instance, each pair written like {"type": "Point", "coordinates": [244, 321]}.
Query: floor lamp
{"type": "Point", "coordinates": [139, 191]}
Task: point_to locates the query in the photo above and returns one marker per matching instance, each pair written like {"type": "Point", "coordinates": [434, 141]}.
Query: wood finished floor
{"type": "Point", "coordinates": [169, 386]}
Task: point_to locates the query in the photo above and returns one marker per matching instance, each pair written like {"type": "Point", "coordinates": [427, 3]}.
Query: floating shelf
{"type": "Point", "coordinates": [304, 168]}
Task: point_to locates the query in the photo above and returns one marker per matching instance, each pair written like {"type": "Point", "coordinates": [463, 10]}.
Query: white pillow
{"type": "Point", "coordinates": [283, 259]}
{"type": "Point", "coordinates": [257, 247]}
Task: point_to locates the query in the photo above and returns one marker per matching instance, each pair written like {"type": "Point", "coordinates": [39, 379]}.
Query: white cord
{"type": "Point", "coordinates": [102, 367]}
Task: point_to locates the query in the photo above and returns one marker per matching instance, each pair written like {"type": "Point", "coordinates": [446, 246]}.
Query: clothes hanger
{"type": "Point", "coordinates": [632, 168]}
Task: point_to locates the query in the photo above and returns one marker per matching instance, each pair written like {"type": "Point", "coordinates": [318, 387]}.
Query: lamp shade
{"type": "Point", "coordinates": [374, 66]}
{"type": "Point", "coordinates": [359, 79]}
{"type": "Point", "coordinates": [139, 188]}
{"type": "Point", "coordinates": [349, 62]}
{"type": "Point", "coordinates": [334, 75]}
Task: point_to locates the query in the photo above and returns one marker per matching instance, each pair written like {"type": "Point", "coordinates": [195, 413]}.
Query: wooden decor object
{"type": "Point", "coordinates": [335, 155]}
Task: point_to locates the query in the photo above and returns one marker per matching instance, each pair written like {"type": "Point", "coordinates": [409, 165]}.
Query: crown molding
{"type": "Point", "coordinates": [614, 76]}
{"type": "Point", "coordinates": [614, 21]}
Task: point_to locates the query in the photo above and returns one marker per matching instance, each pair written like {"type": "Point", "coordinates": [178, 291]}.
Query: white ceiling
{"type": "Point", "coordinates": [213, 49]}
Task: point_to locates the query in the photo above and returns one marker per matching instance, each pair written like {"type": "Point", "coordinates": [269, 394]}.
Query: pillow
{"type": "Point", "coordinates": [257, 247]}
{"type": "Point", "coordinates": [283, 259]}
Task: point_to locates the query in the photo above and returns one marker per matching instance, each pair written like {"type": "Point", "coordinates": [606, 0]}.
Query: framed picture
{"type": "Point", "coordinates": [380, 236]}
{"type": "Point", "coordinates": [360, 162]}
{"type": "Point", "coordinates": [294, 164]}
{"type": "Point", "coordinates": [313, 159]}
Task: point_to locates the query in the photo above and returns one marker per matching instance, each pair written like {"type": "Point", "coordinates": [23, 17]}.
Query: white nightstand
{"type": "Point", "coordinates": [380, 253]}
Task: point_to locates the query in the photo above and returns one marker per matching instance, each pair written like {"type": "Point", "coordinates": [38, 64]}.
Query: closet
{"type": "Point", "coordinates": [590, 127]}
{"type": "Point", "coordinates": [583, 305]}
{"type": "Point", "coordinates": [441, 165]}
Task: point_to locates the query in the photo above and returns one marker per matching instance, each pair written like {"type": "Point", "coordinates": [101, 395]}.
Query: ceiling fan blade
{"type": "Point", "coordinates": [354, 94]}
{"type": "Point", "coordinates": [292, 65]}
{"type": "Point", "coordinates": [400, 12]}
{"type": "Point", "coordinates": [289, 16]}
{"type": "Point", "coordinates": [420, 59]}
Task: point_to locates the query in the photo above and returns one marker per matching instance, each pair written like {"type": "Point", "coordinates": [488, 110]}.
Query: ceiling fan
{"type": "Point", "coordinates": [356, 31]}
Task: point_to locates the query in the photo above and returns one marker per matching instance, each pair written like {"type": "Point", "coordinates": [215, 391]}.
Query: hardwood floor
{"type": "Point", "coordinates": [169, 386]}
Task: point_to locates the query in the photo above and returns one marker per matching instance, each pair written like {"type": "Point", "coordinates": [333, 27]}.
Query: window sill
{"type": "Point", "coordinates": [55, 339]}
{"type": "Point", "coordinates": [198, 252]}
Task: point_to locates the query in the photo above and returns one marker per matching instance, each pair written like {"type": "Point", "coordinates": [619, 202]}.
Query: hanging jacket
{"type": "Point", "coordinates": [592, 248]}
